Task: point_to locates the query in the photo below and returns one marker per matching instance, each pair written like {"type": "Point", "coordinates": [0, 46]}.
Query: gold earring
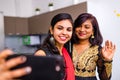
{"type": "Point", "coordinates": [92, 36]}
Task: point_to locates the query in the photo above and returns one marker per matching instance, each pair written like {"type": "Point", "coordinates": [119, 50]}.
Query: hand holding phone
{"type": "Point", "coordinates": [43, 67]}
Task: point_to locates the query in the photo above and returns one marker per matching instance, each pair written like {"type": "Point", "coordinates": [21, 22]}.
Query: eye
{"type": "Point", "coordinates": [60, 27]}
{"type": "Point", "coordinates": [69, 29]}
{"type": "Point", "coordinates": [87, 26]}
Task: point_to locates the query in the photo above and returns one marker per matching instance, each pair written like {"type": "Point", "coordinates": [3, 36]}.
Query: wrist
{"type": "Point", "coordinates": [107, 61]}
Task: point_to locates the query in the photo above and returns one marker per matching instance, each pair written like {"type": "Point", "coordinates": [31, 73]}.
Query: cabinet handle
{"type": "Point", "coordinates": [17, 33]}
{"type": "Point", "coordinates": [10, 33]}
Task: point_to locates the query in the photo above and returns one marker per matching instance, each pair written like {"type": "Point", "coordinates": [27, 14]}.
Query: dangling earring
{"type": "Point", "coordinates": [52, 39]}
{"type": "Point", "coordinates": [92, 36]}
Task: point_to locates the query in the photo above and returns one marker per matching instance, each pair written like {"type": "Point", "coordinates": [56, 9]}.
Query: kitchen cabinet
{"type": "Point", "coordinates": [15, 25]}
{"type": "Point", "coordinates": [9, 23]}
{"type": "Point", "coordinates": [22, 26]}
{"type": "Point", "coordinates": [40, 23]}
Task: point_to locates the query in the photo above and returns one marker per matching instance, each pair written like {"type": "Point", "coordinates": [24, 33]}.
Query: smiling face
{"type": "Point", "coordinates": [62, 31]}
{"type": "Point", "coordinates": [85, 30]}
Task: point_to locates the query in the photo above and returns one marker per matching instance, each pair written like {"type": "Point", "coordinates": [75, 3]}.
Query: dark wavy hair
{"type": "Point", "coordinates": [98, 39]}
{"type": "Point", "coordinates": [47, 42]}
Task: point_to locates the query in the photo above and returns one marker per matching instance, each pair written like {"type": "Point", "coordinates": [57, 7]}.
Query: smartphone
{"type": "Point", "coordinates": [43, 67]}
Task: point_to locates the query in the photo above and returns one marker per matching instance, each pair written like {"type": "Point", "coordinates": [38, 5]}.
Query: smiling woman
{"type": "Point", "coordinates": [87, 52]}
{"type": "Point", "coordinates": [60, 33]}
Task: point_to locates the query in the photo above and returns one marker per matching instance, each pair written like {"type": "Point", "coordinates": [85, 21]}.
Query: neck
{"type": "Point", "coordinates": [59, 46]}
{"type": "Point", "coordinates": [81, 46]}
{"type": "Point", "coordinates": [84, 42]}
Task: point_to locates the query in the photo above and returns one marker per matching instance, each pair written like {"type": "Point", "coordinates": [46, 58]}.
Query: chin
{"type": "Point", "coordinates": [63, 42]}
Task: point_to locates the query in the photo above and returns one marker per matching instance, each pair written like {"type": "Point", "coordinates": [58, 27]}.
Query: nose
{"type": "Point", "coordinates": [81, 28]}
{"type": "Point", "coordinates": [64, 31]}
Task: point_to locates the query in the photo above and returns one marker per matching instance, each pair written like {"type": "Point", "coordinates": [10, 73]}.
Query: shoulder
{"type": "Point", "coordinates": [40, 53]}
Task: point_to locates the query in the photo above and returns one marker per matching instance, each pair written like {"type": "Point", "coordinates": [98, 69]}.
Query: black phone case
{"type": "Point", "coordinates": [43, 67]}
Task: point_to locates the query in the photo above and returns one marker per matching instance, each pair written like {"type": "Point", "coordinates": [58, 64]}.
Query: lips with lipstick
{"type": "Point", "coordinates": [82, 34]}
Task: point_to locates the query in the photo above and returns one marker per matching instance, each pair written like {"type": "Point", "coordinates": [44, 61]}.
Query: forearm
{"type": "Point", "coordinates": [108, 68]}
{"type": "Point", "coordinates": [104, 69]}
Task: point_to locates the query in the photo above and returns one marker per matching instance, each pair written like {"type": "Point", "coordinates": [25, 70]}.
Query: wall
{"type": "Point", "coordinates": [2, 36]}
{"type": "Point", "coordinates": [24, 8]}
{"type": "Point", "coordinates": [43, 4]}
{"type": "Point", "coordinates": [107, 13]}
{"type": "Point", "coordinates": [8, 7]}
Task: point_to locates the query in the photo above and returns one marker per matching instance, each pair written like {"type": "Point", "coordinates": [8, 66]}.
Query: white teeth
{"type": "Point", "coordinates": [63, 37]}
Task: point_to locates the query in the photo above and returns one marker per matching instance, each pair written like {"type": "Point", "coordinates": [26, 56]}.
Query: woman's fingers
{"type": "Point", "coordinates": [13, 62]}
{"type": "Point", "coordinates": [10, 75]}
{"type": "Point", "coordinates": [5, 66]}
{"type": "Point", "coordinates": [5, 53]}
{"type": "Point", "coordinates": [21, 72]}
{"type": "Point", "coordinates": [109, 45]}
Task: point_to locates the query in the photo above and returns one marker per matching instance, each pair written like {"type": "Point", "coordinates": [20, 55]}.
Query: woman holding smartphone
{"type": "Point", "coordinates": [60, 33]}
